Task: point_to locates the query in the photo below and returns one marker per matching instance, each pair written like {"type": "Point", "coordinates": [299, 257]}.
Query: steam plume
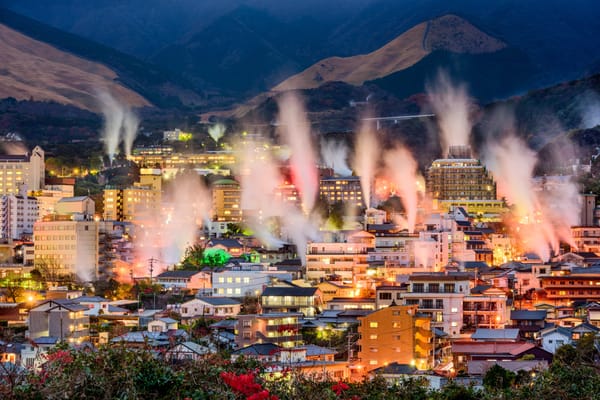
{"type": "Point", "coordinates": [216, 132]}
{"type": "Point", "coordinates": [120, 123]}
{"type": "Point", "coordinates": [365, 159]}
{"type": "Point", "coordinates": [402, 168]}
{"type": "Point", "coordinates": [296, 134]}
{"type": "Point", "coordinates": [334, 155]}
{"type": "Point", "coordinates": [451, 105]}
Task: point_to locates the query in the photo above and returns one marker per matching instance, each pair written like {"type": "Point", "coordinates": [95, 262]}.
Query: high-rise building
{"type": "Point", "coordinates": [341, 189]}
{"type": "Point", "coordinates": [227, 199]}
{"type": "Point", "coordinates": [17, 216]}
{"type": "Point", "coordinates": [21, 173]}
{"type": "Point", "coordinates": [395, 334]}
{"type": "Point", "coordinates": [137, 202]}
{"type": "Point", "coordinates": [460, 177]}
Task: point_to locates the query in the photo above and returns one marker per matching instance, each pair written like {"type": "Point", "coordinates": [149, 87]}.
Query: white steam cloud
{"type": "Point", "coordinates": [120, 124]}
{"type": "Point", "coordinates": [542, 218]}
{"type": "Point", "coordinates": [334, 155]}
{"type": "Point", "coordinates": [216, 132]}
{"type": "Point", "coordinates": [451, 105]}
{"type": "Point", "coordinates": [365, 159]}
{"type": "Point", "coordinates": [402, 169]}
{"type": "Point", "coordinates": [296, 134]}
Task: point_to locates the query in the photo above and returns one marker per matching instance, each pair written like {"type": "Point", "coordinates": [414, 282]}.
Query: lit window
{"type": "Point", "coordinates": [373, 324]}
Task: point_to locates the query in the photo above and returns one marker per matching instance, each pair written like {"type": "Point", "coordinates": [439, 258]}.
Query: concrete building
{"type": "Point", "coordinates": [395, 334]}
{"type": "Point", "coordinates": [62, 319]}
{"type": "Point", "coordinates": [220, 307]}
{"type": "Point", "coordinates": [459, 177]}
{"type": "Point", "coordinates": [140, 201]}
{"type": "Point", "coordinates": [226, 201]}
{"type": "Point", "coordinates": [588, 206]}
{"type": "Point", "coordinates": [342, 189]}
{"type": "Point", "coordinates": [282, 329]}
{"type": "Point", "coordinates": [17, 216]}
{"type": "Point", "coordinates": [440, 296]}
{"type": "Point", "coordinates": [245, 281]}
{"type": "Point", "coordinates": [184, 280]}
{"type": "Point", "coordinates": [65, 245]}
{"type": "Point", "coordinates": [22, 173]}
{"type": "Point", "coordinates": [346, 260]}
{"type": "Point", "coordinates": [52, 193]}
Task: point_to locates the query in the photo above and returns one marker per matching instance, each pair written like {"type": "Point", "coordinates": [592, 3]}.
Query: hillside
{"type": "Point", "coordinates": [157, 86]}
{"type": "Point", "coordinates": [32, 69]}
{"type": "Point", "coordinates": [447, 33]}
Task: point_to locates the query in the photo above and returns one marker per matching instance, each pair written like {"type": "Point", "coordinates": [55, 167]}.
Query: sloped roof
{"type": "Point", "coordinates": [492, 348]}
{"type": "Point", "coordinates": [289, 291]}
{"type": "Point", "coordinates": [534, 315]}
{"type": "Point", "coordinates": [313, 350]}
{"type": "Point", "coordinates": [179, 274]}
{"type": "Point", "coordinates": [228, 243]}
{"type": "Point", "coordinates": [219, 301]}
{"type": "Point", "coordinates": [495, 334]}
{"type": "Point", "coordinates": [396, 369]}
{"type": "Point", "coordinates": [258, 349]}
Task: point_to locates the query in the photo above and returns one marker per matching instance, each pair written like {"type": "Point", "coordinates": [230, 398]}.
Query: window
{"type": "Point", "coordinates": [373, 337]}
{"type": "Point", "coordinates": [418, 287]}
{"type": "Point", "coordinates": [439, 303]}
{"type": "Point", "coordinates": [385, 296]}
{"type": "Point", "coordinates": [373, 324]}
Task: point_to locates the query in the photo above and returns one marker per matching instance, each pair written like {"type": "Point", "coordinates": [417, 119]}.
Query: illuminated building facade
{"type": "Point", "coordinates": [282, 329]}
{"type": "Point", "coordinates": [395, 334]}
{"type": "Point", "coordinates": [227, 199]}
{"type": "Point", "coordinates": [17, 216]}
{"type": "Point", "coordinates": [460, 177]}
{"type": "Point", "coordinates": [341, 189]}
{"type": "Point", "coordinates": [20, 174]}
{"type": "Point", "coordinates": [579, 284]}
{"type": "Point", "coordinates": [137, 202]}
{"type": "Point", "coordinates": [440, 296]}
{"type": "Point", "coordinates": [64, 245]}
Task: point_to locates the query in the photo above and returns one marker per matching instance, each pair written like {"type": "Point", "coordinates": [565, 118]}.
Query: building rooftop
{"type": "Point", "coordinates": [219, 301]}
{"type": "Point", "coordinates": [495, 334]}
{"type": "Point", "coordinates": [258, 349]}
{"type": "Point", "coordinates": [289, 291]}
{"type": "Point", "coordinates": [178, 274]}
{"type": "Point", "coordinates": [528, 315]}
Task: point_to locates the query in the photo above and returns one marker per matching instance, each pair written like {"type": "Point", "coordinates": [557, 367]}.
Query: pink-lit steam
{"type": "Point", "coordinates": [295, 129]}
{"type": "Point", "coordinates": [366, 157]}
{"type": "Point", "coordinates": [402, 169]}
{"type": "Point", "coordinates": [541, 218]}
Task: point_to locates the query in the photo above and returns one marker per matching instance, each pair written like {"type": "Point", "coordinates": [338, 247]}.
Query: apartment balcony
{"type": "Point", "coordinates": [279, 338]}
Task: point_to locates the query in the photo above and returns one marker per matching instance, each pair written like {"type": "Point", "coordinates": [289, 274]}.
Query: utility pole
{"type": "Point", "coordinates": [151, 282]}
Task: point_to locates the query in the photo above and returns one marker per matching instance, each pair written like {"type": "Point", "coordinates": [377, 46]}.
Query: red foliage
{"type": "Point", "coordinates": [246, 385]}
{"type": "Point", "coordinates": [339, 387]}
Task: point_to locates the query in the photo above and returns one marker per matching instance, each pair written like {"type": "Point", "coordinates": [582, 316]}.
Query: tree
{"type": "Point", "coordinates": [194, 256]}
{"type": "Point", "coordinates": [498, 379]}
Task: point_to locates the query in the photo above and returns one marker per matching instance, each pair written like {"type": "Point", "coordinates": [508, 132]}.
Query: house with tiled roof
{"type": "Point", "coordinates": [185, 279]}
{"type": "Point", "coordinates": [220, 307]}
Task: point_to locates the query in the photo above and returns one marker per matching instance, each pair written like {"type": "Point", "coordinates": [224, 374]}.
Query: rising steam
{"type": "Point", "coordinates": [216, 132]}
{"type": "Point", "coordinates": [541, 218]}
{"type": "Point", "coordinates": [365, 159]}
{"type": "Point", "coordinates": [402, 169]}
{"type": "Point", "coordinates": [334, 155]}
{"type": "Point", "coordinates": [451, 105]}
{"type": "Point", "coordinates": [296, 134]}
{"type": "Point", "coordinates": [120, 123]}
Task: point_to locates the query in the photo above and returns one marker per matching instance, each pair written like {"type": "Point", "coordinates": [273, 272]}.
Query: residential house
{"type": "Point", "coordinates": [220, 307]}
{"type": "Point", "coordinates": [395, 334]}
{"type": "Point", "coordinates": [97, 305]}
{"type": "Point", "coordinates": [331, 289]}
{"type": "Point", "coordinates": [485, 307]}
{"type": "Point", "coordinates": [188, 351]}
{"type": "Point", "coordinates": [282, 329]}
{"type": "Point", "coordinates": [529, 322]}
{"type": "Point", "coordinates": [554, 337]}
{"type": "Point", "coordinates": [265, 352]}
{"type": "Point", "coordinates": [245, 280]}
{"type": "Point", "coordinates": [351, 303]}
{"type": "Point", "coordinates": [231, 246]}
{"type": "Point", "coordinates": [466, 352]}
{"type": "Point", "coordinates": [162, 325]}
{"type": "Point", "coordinates": [63, 319]}
{"type": "Point", "coordinates": [280, 299]}
{"type": "Point", "coordinates": [184, 280]}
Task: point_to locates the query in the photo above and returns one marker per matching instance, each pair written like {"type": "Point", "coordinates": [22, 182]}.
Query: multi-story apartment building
{"type": "Point", "coordinates": [22, 173]}
{"type": "Point", "coordinates": [17, 216]}
{"type": "Point", "coordinates": [342, 189]}
{"type": "Point", "coordinates": [142, 200]}
{"type": "Point", "coordinates": [62, 319]}
{"type": "Point", "coordinates": [347, 260]}
{"type": "Point", "coordinates": [282, 329]}
{"type": "Point", "coordinates": [66, 245]}
{"type": "Point", "coordinates": [485, 308]}
{"type": "Point", "coordinates": [226, 201]}
{"type": "Point", "coordinates": [244, 281]}
{"type": "Point", "coordinates": [586, 238]}
{"type": "Point", "coordinates": [440, 296]}
{"type": "Point", "coordinates": [395, 334]}
{"type": "Point", "coordinates": [165, 158]}
{"type": "Point", "coordinates": [577, 284]}
{"type": "Point", "coordinates": [306, 300]}
{"type": "Point", "coordinates": [52, 193]}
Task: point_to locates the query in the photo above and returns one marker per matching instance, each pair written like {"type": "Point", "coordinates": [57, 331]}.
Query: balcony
{"type": "Point", "coordinates": [279, 339]}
